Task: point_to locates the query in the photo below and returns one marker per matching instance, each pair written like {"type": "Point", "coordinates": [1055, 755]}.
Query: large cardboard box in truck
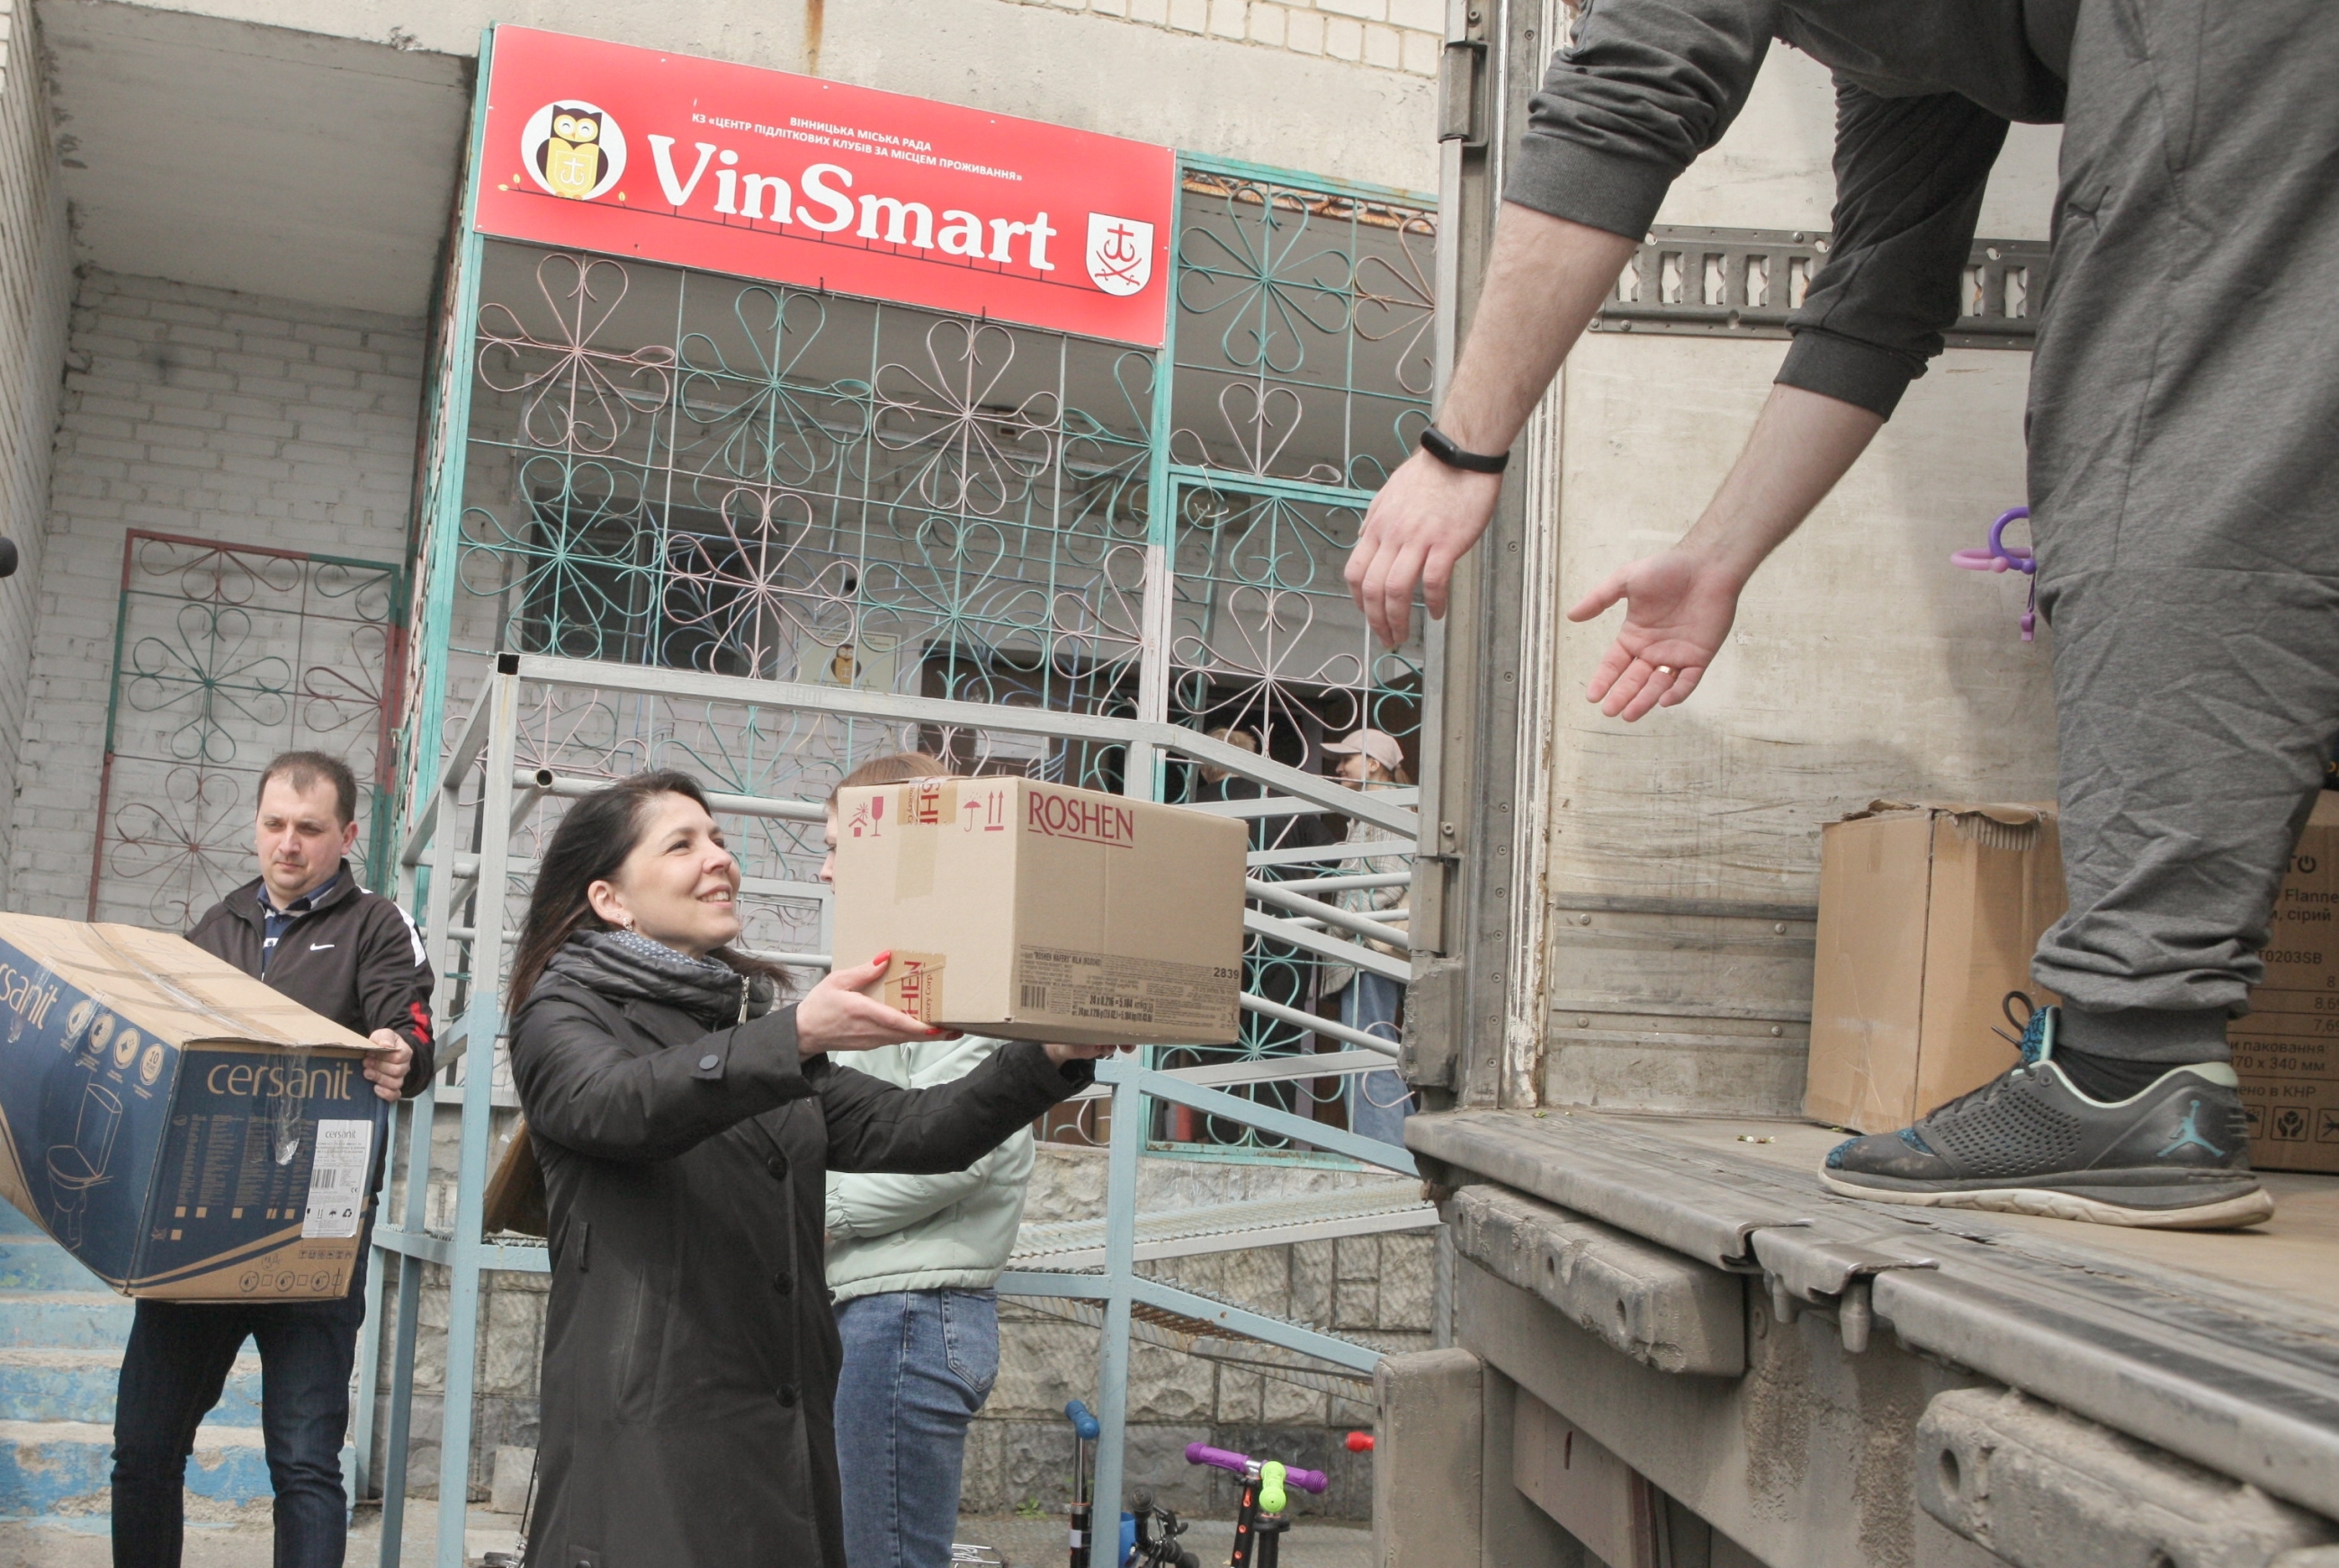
{"type": "Point", "coordinates": [1036, 912]}
{"type": "Point", "coordinates": [182, 1130]}
{"type": "Point", "coordinates": [1928, 917]}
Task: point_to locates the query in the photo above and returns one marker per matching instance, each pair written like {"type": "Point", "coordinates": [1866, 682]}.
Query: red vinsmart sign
{"type": "Point", "coordinates": [766, 174]}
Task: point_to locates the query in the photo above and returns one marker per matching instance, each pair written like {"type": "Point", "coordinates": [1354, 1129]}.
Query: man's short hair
{"type": "Point", "coordinates": [303, 769]}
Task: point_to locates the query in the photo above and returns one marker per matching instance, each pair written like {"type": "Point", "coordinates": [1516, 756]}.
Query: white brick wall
{"type": "Point", "coordinates": [1402, 35]}
{"type": "Point", "coordinates": [35, 294]}
{"type": "Point", "coordinates": [193, 411]}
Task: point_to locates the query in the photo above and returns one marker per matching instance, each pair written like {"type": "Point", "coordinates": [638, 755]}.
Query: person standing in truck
{"type": "Point", "coordinates": [307, 928]}
{"type": "Point", "coordinates": [2183, 489]}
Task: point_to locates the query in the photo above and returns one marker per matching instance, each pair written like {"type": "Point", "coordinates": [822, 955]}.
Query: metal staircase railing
{"type": "Point", "coordinates": [482, 790]}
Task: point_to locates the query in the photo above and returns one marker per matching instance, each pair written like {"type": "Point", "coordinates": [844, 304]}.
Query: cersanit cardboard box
{"type": "Point", "coordinates": [182, 1130]}
{"type": "Point", "coordinates": [2286, 1049]}
{"type": "Point", "coordinates": [1036, 912]}
{"type": "Point", "coordinates": [1928, 916]}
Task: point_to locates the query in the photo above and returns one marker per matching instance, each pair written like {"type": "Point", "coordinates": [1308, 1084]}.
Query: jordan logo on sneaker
{"type": "Point", "coordinates": [2189, 1133]}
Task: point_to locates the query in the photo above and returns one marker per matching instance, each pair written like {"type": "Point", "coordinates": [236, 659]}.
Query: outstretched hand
{"type": "Point", "coordinates": [837, 1015]}
{"type": "Point", "coordinates": [1424, 520]}
{"type": "Point", "coordinates": [1678, 610]}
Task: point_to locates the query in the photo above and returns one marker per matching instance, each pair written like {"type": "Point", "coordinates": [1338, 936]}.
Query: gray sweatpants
{"type": "Point", "coordinates": [2185, 485]}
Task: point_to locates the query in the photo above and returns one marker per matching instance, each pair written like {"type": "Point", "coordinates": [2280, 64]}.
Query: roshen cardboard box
{"type": "Point", "coordinates": [1035, 911]}
{"type": "Point", "coordinates": [2284, 1048]}
{"type": "Point", "coordinates": [1928, 916]}
{"type": "Point", "coordinates": [182, 1130]}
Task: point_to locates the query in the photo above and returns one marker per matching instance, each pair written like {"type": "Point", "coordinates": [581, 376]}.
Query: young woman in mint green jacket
{"type": "Point", "coordinates": [912, 1260]}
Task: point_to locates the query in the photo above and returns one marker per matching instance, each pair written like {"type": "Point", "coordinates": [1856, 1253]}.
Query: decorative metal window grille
{"type": "Point", "coordinates": [225, 655]}
{"type": "Point", "coordinates": [690, 471]}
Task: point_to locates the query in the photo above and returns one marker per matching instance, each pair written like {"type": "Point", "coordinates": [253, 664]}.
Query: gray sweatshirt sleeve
{"type": "Point", "coordinates": [1646, 87]}
{"type": "Point", "coordinates": [1909, 180]}
{"type": "Point", "coordinates": [1649, 84]}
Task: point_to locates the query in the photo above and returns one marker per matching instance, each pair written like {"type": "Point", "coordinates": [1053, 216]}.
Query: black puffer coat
{"type": "Point", "coordinates": [690, 1356]}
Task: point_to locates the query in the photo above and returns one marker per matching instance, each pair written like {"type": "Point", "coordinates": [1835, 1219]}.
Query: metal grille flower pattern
{"type": "Point", "coordinates": [224, 657]}
{"type": "Point", "coordinates": [1304, 348]}
{"type": "Point", "coordinates": [696, 473]}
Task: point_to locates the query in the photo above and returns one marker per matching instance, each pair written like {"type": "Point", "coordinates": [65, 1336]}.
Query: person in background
{"type": "Point", "coordinates": [685, 1120]}
{"type": "Point", "coordinates": [307, 928]}
{"type": "Point", "coordinates": [1381, 1101]}
{"type": "Point", "coordinates": [912, 1261]}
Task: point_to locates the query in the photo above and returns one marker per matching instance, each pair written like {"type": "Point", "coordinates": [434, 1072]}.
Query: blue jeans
{"type": "Point", "coordinates": [178, 1360]}
{"type": "Point", "coordinates": [918, 1364]}
{"type": "Point", "coordinates": [1378, 1102]}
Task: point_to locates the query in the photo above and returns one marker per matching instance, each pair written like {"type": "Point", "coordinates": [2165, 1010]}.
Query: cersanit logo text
{"type": "Point", "coordinates": [1089, 821]}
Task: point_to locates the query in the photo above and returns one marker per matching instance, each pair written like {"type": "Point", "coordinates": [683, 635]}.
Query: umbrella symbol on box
{"type": "Point", "coordinates": [1121, 253]}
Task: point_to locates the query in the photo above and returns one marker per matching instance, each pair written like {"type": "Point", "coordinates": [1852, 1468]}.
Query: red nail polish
{"type": "Point", "coordinates": [883, 959]}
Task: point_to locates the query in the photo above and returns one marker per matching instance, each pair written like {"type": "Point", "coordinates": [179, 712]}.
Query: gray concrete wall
{"type": "Point", "coordinates": [1019, 1452]}
{"type": "Point", "coordinates": [36, 286]}
{"type": "Point", "coordinates": [193, 411]}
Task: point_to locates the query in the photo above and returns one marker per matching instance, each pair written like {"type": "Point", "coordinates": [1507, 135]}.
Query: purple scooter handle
{"type": "Point", "coordinates": [1203, 1453]}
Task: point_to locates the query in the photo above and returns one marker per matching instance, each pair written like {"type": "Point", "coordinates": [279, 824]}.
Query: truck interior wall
{"type": "Point", "coordinates": [36, 286]}
{"type": "Point", "coordinates": [1683, 866]}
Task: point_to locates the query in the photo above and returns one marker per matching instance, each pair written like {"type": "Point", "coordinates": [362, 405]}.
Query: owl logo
{"type": "Point", "coordinates": [572, 149]}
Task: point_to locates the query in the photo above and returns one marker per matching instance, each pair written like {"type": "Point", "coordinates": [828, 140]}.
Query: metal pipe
{"type": "Point", "coordinates": [1330, 913]}
{"type": "Point", "coordinates": [1327, 794]}
{"type": "Point", "coordinates": [1359, 882]}
{"type": "Point", "coordinates": [573, 786]}
{"type": "Point", "coordinates": [1326, 1025]}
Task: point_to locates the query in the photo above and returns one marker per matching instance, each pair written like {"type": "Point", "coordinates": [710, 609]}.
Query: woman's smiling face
{"type": "Point", "coordinates": [679, 884]}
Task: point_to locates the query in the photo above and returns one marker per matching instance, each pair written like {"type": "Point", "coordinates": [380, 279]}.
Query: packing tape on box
{"type": "Point", "coordinates": [914, 984]}
{"type": "Point", "coordinates": [924, 803]}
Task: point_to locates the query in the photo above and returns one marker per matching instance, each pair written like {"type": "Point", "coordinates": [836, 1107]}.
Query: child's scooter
{"type": "Point", "coordinates": [1085, 1432]}
{"type": "Point", "coordinates": [1157, 1537]}
{"type": "Point", "coordinates": [1259, 1524]}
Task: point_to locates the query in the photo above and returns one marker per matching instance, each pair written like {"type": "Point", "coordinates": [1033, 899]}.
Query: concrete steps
{"type": "Point", "coordinates": [62, 1334]}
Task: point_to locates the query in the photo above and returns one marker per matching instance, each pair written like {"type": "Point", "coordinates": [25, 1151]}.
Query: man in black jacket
{"type": "Point", "coordinates": [2184, 488]}
{"type": "Point", "coordinates": [307, 928]}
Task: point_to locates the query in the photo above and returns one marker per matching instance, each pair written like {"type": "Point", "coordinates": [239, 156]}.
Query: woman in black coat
{"type": "Point", "coordinates": [685, 1125]}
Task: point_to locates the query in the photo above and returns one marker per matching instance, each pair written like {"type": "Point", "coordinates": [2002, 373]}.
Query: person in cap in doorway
{"type": "Point", "coordinates": [912, 1261]}
{"type": "Point", "coordinates": [307, 928]}
{"type": "Point", "coordinates": [1378, 1101]}
{"type": "Point", "coordinates": [2183, 489]}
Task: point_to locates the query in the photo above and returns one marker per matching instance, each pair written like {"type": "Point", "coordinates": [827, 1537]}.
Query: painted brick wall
{"type": "Point", "coordinates": [1389, 35]}
{"type": "Point", "coordinates": [201, 413]}
{"type": "Point", "coordinates": [36, 286]}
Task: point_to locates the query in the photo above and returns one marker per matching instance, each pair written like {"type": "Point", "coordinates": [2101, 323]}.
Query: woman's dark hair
{"type": "Point", "coordinates": [589, 846]}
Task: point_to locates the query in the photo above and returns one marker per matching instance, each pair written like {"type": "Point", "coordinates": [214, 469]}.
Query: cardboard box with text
{"type": "Point", "coordinates": [1928, 917]}
{"type": "Point", "coordinates": [184, 1131]}
{"type": "Point", "coordinates": [1032, 911]}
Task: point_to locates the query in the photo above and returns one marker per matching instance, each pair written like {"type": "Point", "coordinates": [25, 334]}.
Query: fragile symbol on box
{"type": "Point", "coordinates": [867, 817]}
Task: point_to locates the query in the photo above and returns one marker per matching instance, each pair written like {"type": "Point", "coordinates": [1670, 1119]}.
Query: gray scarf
{"type": "Point", "coordinates": [632, 968]}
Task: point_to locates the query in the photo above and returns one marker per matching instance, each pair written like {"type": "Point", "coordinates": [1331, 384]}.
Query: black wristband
{"type": "Point", "coordinates": [1440, 445]}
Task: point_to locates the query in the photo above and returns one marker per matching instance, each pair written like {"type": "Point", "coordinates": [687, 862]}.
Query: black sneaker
{"type": "Point", "coordinates": [2175, 1156]}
